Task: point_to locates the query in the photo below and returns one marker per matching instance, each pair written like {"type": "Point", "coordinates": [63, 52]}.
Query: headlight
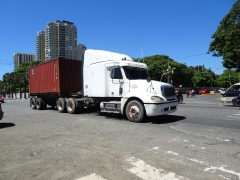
{"type": "Point", "coordinates": [157, 99]}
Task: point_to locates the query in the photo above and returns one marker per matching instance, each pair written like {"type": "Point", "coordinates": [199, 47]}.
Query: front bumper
{"type": "Point", "coordinates": [160, 109]}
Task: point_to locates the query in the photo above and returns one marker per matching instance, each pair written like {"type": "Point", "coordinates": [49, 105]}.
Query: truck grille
{"type": "Point", "coordinates": [168, 92]}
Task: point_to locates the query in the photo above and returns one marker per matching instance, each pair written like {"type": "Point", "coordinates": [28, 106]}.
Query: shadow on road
{"type": "Point", "coordinates": [6, 125]}
{"type": "Point", "coordinates": [165, 119]}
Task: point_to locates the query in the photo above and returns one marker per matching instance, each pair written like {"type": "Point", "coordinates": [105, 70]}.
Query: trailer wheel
{"type": "Point", "coordinates": [39, 104]}
{"type": "Point", "coordinates": [33, 102]}
{"type": "Point", "coordinates": [71, 106]}
{"type": "Point", "coordinates": [135, 111]}
{"type": "Point", "coordinates": [61, 105]}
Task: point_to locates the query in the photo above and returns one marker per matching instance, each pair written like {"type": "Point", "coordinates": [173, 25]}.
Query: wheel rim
{"type": "Point", "coordinates": [70, 105]}
{"type": "Point", "coordinates": [37, 104]}
{"type": "Point", "coordinates": [60, 105]}
{"type": "Point", "coordinates": [134, 112]}
{"type": "Point", "coordinates": [32, 103]}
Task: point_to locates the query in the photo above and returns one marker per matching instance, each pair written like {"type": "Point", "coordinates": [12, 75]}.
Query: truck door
{"type": "Point", "coordinates": [115, 82]}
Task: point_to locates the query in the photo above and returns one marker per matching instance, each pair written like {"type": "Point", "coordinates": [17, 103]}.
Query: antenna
{"type": "Point", "coordinates": [142, 55]}
{"type": "Point", "coordinates": [110, 49]}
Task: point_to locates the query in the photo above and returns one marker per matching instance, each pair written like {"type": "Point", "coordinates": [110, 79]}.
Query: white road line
{"type": "Point", "coordinates": [222, 168]}
{"type": "Point", "coordinates": [148, 172]}
{"type": "Point", "coordinates": [208, 168]}
{"type": "Point", "coordinates": [233, 117]}
{"type": "Point", "coordinates": [237, 114]}
{"type": "Point", "coordinates": [155, 148]}
{"type": "Point", "coordinates": [93, 176]}
{"type": "Point", "coordinates": [203, 103]}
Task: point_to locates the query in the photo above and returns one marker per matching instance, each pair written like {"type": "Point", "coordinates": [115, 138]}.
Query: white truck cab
{"type": "Point", "coordinates": [121, 85]}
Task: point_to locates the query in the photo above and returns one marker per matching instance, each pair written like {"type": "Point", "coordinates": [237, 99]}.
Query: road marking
{"type": "Point", "coordinates": [233, 117]}
{"type": "Point", "coordinates": [175, 139]}
{"type": "Point", "coordinates": [93, 176]}
{"type": "Point", "coordinates": [144, 171]}
{"type": "Point", "coordinates": [203, 103]}
{"type": "Point", "coordinates": [155, 148]}
{"type": "Point", "coordinates": [213, 169]}
{"type": "Point", "coordinates": [237, 114]}
{"type": "Point", "coordinates": [173, 153]}
{"type": "Point", "coordinates": [208, 168]}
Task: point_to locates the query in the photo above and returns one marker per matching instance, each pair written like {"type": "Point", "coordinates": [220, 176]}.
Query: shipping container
{"type": "Point", "coordinates": [59, 76]}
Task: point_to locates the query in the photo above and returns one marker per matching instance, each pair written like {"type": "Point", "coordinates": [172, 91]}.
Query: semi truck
{"type": "Point", "coordinates": [109, 81]}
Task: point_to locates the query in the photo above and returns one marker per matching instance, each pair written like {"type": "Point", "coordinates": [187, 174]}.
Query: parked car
{"type": "Point", "coordinates": [221, 89]}
{"type": "Point", "coordinates": [1, 99]}
{"type": "Point", "coordinates": [213, 91]}
{"type": "Point", "coordinates": [1, 112]}
{"type": "Point", "coordinates": [223, 93]}
{"type": "Point", "coordinates": [204, 91]}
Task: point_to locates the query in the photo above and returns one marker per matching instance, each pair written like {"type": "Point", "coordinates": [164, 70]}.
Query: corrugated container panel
{"type": "Point", "coordinates": [59, 76]}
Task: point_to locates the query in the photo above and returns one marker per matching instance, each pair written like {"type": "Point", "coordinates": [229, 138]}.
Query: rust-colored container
{"type": "Point", "coordinates": [58, 76]}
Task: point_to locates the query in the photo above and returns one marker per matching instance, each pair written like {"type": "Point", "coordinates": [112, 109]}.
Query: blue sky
{"type": "Point", "coordinates": [180, 29]}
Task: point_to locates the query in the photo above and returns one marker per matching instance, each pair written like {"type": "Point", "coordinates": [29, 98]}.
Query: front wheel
{"type": "Point", "coordinates": [135, 111]}
{"type": "Point", "coordinates": [235, 102]}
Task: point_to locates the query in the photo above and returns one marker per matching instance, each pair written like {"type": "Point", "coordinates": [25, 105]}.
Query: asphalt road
{"type": "Point", "coordinates": [199, 141]}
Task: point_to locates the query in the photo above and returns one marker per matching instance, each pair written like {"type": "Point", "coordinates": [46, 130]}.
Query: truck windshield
{"type": "Point", "coordinates": [133, 73]}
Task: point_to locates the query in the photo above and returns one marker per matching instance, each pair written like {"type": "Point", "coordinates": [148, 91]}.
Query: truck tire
{"type": "Point", "coordinates": [71, 106]}
{"type": "Point", "coordinates": [61, 105]}
{"type": "Point", "coordinates": [135, 111]}
{"type": "Point", "coordinates": [39, 104]}
{"type": "Point", "coordinates": [33, 102]}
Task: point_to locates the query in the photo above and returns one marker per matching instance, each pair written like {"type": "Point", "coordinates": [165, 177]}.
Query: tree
{"type": "Point", "coordinates": [182, 75]}
{"type": "Point", "coordinates": [226, 39]}
{"type": "Point", "coordinates": [14, 82]}
{"type": "Point", "coordinates": [203, 79]}
{"type": "Point", "coordinates": [223, 80]}
{"type": "Point", "coordinates": [157, 65]}
{"type": "Point", "coordinates": [3, 88]}
{"type": "Point", "coordinates": [23, 67]}
{"type": "Point", "coordinates": [7, 82]}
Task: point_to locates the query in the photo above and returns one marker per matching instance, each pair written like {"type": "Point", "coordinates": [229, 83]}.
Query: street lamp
{"type": "Point", "coordinates": [162, 76]}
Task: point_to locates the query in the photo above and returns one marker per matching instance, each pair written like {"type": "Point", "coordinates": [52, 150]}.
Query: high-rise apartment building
{"type": "Point", "coordinates": [60, 40]}
{"type": "Point", "coordinates": [21, 57]}
{"type": "Point", "coordinates": [80, 51]}
{"type": "Point", "coordinates": [40, 44]}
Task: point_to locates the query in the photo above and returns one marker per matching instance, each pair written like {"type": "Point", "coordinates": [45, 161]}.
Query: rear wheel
{"type": "Point", "coordinates": [135, 111]}
{"type": "Point", "coordinates": [33, 102]}
{"type": "Point", "coordinates": [61, 105]}
{"type": "Point", "coordinates": [71, 106]}
{"type": "Point", "coordinates": [39, 103]}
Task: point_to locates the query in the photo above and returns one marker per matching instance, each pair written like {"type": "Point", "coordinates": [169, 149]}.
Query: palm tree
{"type": "Point", "coordinates": [3, 88]}
{"type": "Point", "coordinates": [23, 83]}
{"type": "Point", "coordinates": [6, 81]}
